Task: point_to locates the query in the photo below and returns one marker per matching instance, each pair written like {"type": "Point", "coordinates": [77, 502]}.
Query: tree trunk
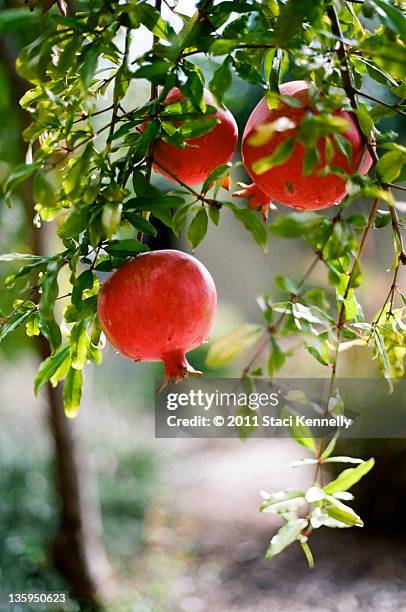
{"type": "Point", "coordinates": [78, 550]}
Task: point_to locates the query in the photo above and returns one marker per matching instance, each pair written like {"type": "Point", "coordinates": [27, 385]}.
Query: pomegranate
{"type": "Point", "coordinates": [201, 155]}
{"type": "Point", "coordinates": [157, 307]}
{"type": "Point", "coordinates": [285, 182]}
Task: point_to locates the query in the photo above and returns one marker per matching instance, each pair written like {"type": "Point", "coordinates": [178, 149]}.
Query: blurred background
{"type": "Point", "coordinates": [180, 517]}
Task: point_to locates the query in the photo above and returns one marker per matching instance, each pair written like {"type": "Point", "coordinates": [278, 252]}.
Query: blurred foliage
{"type": "Point", "coordinates": [29, 512]}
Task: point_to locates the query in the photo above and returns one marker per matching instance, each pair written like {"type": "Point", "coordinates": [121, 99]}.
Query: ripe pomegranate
{"type": "Point", "coordinates": [201, 155]}
{"type": "Point", "coordinates": [285, 182]}
{"type": "Point", "coordinates": [157, 307]}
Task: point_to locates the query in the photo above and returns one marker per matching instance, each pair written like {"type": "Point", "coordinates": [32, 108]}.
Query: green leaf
{"type": "Point", "coordinates": [151, 19]}
{"type": "Point", "coordinates": [221, 172]}
{"type": "Point", "coordinates": [330, 447]}
{"type": "Point", "coordinates": [196, 127]}
{"type": "Point", "coordinates": [251, 223]}
{"type": "Point", "coordinates": [228, 347]}
{"type": "Point", "coordinates": [79, 342]}
{"type": "Point", "coordinates": [286, 535]}
{"type": "Point", "coordinates": [88, 65]}
{"type": "Point", "coordinates": [125, 248]}
{"type": "Point", "coordinates": [383, 218]}
{"type": "Point", "coordinates": [179, 218]}
{"type": "Point", "coordinates": [48, 367]}
{"type": "Point", "coordinates": [198, 228]}
{"type": "Point", "coordinates": [342, 513]}
{"type": "Point", "coordinates": [20, 174]}
{"type": "Point", "coordinates": [72, 392]}
{"type": "Point", "coordinates": [340, 459]}
{"type": "Point", "coordinates": [391, 17]}
{"type": "Point", "coordinates": [32, 326]}
{"type": "Point", "coordinates": [295, 224]}
{"type": "Point", "coordinates": [83, 281]}
{"type": "Point", "coordinates": [140, 224]}
{"type": "Point", "coordinates": [75, 224]}
{"type": "Point", "coordinates": [365, 121]}
{"type": "Point", "coordinates": [344, 146]}
{"type": "Point", "coordinates": [154, 202]}
{"type": "Point", "coordinates": [85, 308]}
{"type": "Point", "coordinates": [321, 353]}
{"type": "Point", "coordinates": [12, 324]}
{"type": "Point", "coordinates": [77, 171]}
{"type": "Point", "coordinates": [273, 60]}
{"type": "Point", "coordinates": [310, 160]}
{"type": "Point", "coordinates": [221, 80]}
{"type": "Point", "coordinates": [49, 290]}
{"type": "Point", "coordinates": [157, 72]}
{"type": "Point", "coordinates": [276, 358]}
{"type": "Point", "coordinates": [51, 331]}
{"type": "Point", "coordinates": [283, 501]}
{"type": "Point", "coordinates": [22, 256]}
{"type": "Point", "coordinates": [390, 165]}
{"type": "Point", "coordinates": [300, 433]}
{"type": "Point", "coordinates": [279, 156]}
{"type": "Point", "coordinates": [44, 193]}
{"type": "Point", "coordinates": [214, 214]}
{"type": "Point", "coordinates": [349, 477]}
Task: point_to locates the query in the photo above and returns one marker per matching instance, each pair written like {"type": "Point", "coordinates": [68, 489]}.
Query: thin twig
{"type": "Point", "coordinates": [394, 107]}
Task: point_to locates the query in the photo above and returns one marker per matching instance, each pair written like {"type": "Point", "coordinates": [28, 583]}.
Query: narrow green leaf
{"type": "Point", "coordinates": [300, 433]}
{"type": "Point", "coordinates": [72, 392]}
{"type": "Point", "coordinates": [251, 223]}
{"type": "Point", "coordinates": [221, 80]}
{"type": "Point", "coordinates": [124, 248]}
{"type": "Point", "coordinates": [283, 501]}
{"type": "Point", "coordinates": [20, 174]}
{"type": "Point", "coordinates": [286, 535]}
{"type": "Point", "coordinates": [230, 346]}
{"type": "Point", "coordinates": [48, 367]}
{"type": "Point", "coordinates": [79, 342]}
{"type": "Point", "coordinates": [349, 477]}
{"type": "Point", "coordinates": [15, 321]}
{"type": "Point", "coordinates": [281, 154]}
{"type": "Point", "coordinates": [198, 228]}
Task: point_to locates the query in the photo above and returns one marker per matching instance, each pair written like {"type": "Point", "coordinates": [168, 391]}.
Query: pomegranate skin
{"type": "Point", "coordinates": [157, 307]}
{"type": "Point", "coordinates": [203, 154]}
{"type": "Point", "coordinates": [285, 182]}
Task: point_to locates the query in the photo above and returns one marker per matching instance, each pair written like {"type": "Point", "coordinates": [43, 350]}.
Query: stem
{"type": "Point", "coordinates": [242, 46]}
{"type": "Point", "coordinates": [341, 319]}
{"type": "Point", "coordinates": [116, 102]}
{"type": "Point", "coordinates": [153, 96]}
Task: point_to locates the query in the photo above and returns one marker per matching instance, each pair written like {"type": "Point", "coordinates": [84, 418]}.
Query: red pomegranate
{"type": "Point", "coordinates": [201, 155]}
{"type": "Point", "coordinates": [157, 307]}
{"type": "Point", "coordinates": [285, 182]}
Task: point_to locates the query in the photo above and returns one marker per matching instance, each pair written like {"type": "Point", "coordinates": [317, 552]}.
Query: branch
{"type": "Point", "coordinates": [394, 107]}
{"type": "Point", "coordinates": [351, 93]}
{"type": "Point", "coordinates": [271, 330]}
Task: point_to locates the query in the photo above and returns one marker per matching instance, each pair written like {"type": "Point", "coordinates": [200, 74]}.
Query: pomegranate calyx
{"type": "Point", "coordinates": [257, 199]}
{"type": "Point", "coordinates": [177, 368]}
